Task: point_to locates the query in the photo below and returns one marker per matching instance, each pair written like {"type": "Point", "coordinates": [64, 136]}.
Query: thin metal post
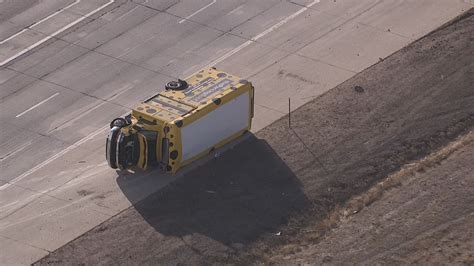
{"type": "Point", "coordinates": [289, 112]}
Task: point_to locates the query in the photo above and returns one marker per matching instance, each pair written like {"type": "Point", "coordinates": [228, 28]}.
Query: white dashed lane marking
{"type": "Point", "coordinates": [38, 104]}
{"type": "Point", "coordinates": [103, 129]}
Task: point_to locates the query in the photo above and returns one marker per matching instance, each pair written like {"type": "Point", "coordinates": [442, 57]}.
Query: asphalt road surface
{"type": "Point", "coordinates": [277, 206]}
{"type": "Point", "coordinates": [68, 67]}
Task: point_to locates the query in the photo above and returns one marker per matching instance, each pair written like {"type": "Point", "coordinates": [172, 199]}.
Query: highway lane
{"type": "Point", "coordinates": [126, 51]}
{"type": "Point", "coordinates": [88, 78]}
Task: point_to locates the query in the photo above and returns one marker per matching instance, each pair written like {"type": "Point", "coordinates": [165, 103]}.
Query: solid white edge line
{"type": "Point", "coordinates": [39, 21]}
{"type": "Point", "coordinates": [199, 10]}
{"type": "Point", "coordinates": [14, 35]}
{"type": "Point", "coordinates": [265, 32]}
{"type": "Point", "coordinates": [38, 104]}
{"type": "Point", "coordinates": [54, 157]}
{"type": "Point", "coordinates": [97, 132]}
{"type": "Point", "coordinates": [54, 14]}
{"type": "Point", "coordinates": [54, 34]}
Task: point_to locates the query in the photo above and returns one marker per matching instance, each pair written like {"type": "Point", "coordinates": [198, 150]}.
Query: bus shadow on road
{"type": "Point", "coordinates": [245, 192]}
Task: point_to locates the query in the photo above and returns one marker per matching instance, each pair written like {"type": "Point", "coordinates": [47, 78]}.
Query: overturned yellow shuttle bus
{"type": "Point", "coordinates": [185, 122]}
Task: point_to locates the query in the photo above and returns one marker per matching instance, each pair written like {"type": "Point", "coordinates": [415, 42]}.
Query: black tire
{"type": "Point", "coordinates": [121, 164]}
{"type": "Point", "coordinates": [118, 122]}
{"type": "Point", "coordinates": [176, 85]}
{"type": "Point", "coordinates": [111, 147]}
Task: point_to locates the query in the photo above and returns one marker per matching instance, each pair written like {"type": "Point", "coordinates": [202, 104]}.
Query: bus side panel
{"type": "Point", "coordinates": [215, 126]}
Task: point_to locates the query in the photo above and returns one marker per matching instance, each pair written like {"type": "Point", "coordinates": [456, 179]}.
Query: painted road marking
{"type": "Point", "coordinates": [38, 22]}
{"type": "Point", "coordinates": [54, 33]}
{"type": "Point", "coordinates": [265, 32]}
{"type": "Point", "coordinates": [16, 151]}
{"type": "Point", "coordinates": [54, 157]}
{"type": "Point", "coordinates": [201, 9]}
{"type": "Point", "coordinates": [72, 121]}
{"type": "Point", "coordinates": [38, 104]}
{"type": "Point", "coordinates": [133, 9]}
{"type": "Point", "coordinates": [101, 130]}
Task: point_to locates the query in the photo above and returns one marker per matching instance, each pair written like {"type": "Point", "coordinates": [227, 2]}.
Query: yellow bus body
{"type": "Point", "coordinates": [183, 123]}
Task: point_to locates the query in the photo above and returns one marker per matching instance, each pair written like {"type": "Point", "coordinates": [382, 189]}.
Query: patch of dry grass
{"type": "Point", "coordinates": [342, 213]}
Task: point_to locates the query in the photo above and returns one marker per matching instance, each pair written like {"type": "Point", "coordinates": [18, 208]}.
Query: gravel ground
{"type": "Point", "coordinates": [258, 201]}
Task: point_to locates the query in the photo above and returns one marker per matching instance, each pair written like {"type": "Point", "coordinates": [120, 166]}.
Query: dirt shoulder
{"type": "Point", "coordinates": [427, 218]}
{"type": "Point", "coordinates": [257, 201]}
